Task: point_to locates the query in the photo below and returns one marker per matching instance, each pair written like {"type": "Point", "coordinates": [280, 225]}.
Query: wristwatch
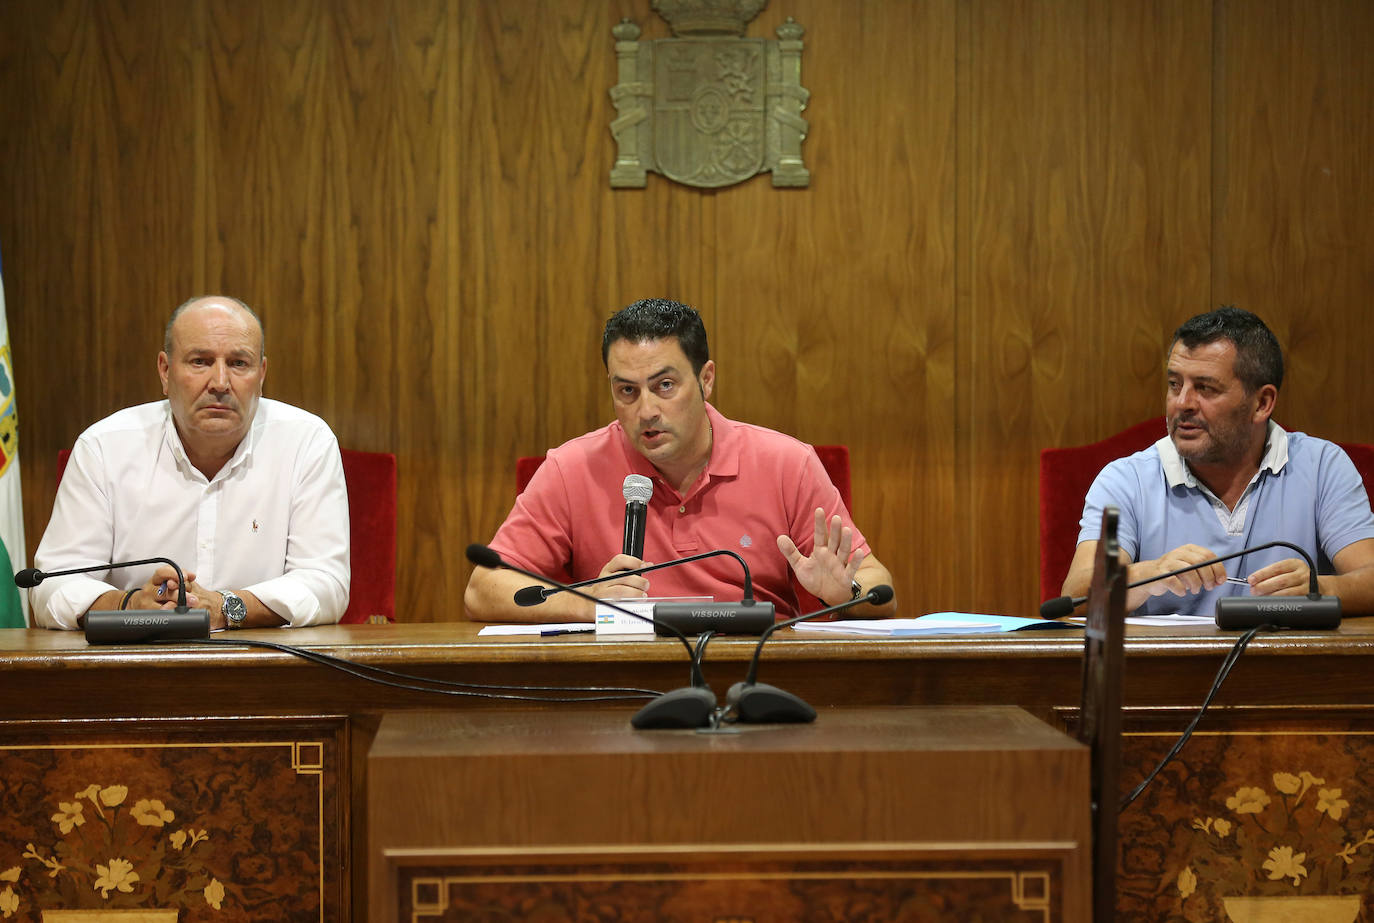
{"type": "Point", "coordinates": [854, 589]}
{"type": "Point", "coordinates": [234, 609]}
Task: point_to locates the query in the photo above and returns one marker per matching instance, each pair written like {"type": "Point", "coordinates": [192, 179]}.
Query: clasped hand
{"type": "Point", "coordinates": [160, 592]}
{"type": "Point", "coordinates": [1289, 577]}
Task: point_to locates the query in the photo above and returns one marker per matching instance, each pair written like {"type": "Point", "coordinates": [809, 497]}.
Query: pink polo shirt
{"type": "Point", "coordinates": [759, 484]}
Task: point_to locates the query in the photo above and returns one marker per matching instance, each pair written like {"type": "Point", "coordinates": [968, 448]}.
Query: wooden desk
{"type": "Point", "coordinates": [876, 813]}
{"type": "Point", "coordinates": [1297, 705]}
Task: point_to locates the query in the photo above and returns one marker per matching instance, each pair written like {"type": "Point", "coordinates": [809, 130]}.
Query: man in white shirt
{"type": "Point", "coordinates": [245, 493]}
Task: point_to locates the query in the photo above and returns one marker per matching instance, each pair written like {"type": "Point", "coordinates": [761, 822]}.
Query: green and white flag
{"type": "Point", "coordinates": [13, 606]}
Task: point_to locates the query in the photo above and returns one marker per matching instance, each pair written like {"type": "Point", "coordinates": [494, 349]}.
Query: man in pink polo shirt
{"type": "Point", "coordinates": [717, 484]}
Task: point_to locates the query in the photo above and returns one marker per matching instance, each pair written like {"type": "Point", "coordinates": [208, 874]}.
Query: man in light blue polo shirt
{"type": "Point", "coordinates": [1226, 477]}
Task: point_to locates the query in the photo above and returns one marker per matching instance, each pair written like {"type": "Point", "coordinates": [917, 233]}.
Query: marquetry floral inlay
{"type": "Point", "coordinates": [1287, 838]}
{"type": "Point", "coordinates": [107, 852]}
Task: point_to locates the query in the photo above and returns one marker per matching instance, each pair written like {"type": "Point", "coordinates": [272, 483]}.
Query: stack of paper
{"type": "Point", "coordinates": [937, 623]}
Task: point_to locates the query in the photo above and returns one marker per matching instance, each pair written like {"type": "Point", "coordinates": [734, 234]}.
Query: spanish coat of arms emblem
{"type": "Point", "coordinates": [709, 107]}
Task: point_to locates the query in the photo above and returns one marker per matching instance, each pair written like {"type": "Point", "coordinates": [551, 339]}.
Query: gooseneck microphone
{"type": "Point", "coordinates": [131, 626]}
{"type": "Point", "coordinates": [534, 595]}
{"type": "Point", "coordinates": [747, 617]}
{"type": "Point", "coordinates": [638, 490]}
{"type": "Point", "coordinates": [689, 707]}
{"type": "Point", "coordinates": [760, 703]}
{"type": "Point", "coordinates": [1313, 611]}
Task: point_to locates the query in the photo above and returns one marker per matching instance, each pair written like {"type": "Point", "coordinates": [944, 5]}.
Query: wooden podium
{"type": "Point", "coordinates": [877, 813]}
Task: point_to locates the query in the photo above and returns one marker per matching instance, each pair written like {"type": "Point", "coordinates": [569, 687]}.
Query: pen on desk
{"type": "Point", "coordinates": [550, 632]}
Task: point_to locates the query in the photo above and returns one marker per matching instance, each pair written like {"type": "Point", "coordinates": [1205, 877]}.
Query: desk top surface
{"type": "Point", "coordinates": [56, 674]}
{"type": "Point", "coordinates": [458, 642]}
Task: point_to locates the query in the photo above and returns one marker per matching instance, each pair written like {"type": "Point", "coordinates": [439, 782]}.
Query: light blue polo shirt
{"type": "Point", "coordinates": [1307, 492]}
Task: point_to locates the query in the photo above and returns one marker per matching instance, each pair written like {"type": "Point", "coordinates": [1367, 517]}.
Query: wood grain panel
{"type": "Point", "coordinates": [1149, 202]}
{"type": "Point", "coordinates": [835, 304]}
{"type": "Point", "coordinates": [1012, 205]}
{"type": "Point", "coordinates": [1019, 890]}
{"type": "Point", "coordinates": [929, 798]}
{"type": "Point", "coordinates": [1293, 212]}
{"type": "Point", "coordinates": [1085, 244]}
{"type": "Point", "coordinates": [1027, 257]}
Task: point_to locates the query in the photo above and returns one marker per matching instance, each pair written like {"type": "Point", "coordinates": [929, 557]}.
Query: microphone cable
{"type": "Point", "coordinates": [408, 681]}
{"type": "Point", "coordinates": [1231, 657]}
{"type": "Point", "coordinates": [699, 650]}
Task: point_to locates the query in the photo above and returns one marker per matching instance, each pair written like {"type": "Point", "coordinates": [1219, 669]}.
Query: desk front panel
{"type": "Point", "coordinates": [1297, 706]}
{"type": "Point", "coordinates": [202, 819]}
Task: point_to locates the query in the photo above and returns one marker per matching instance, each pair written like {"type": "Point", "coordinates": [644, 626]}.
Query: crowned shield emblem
{"type": "Point", "coordinates": [708, 110]}
{"type": "Point", "coordinates": [709, 107]}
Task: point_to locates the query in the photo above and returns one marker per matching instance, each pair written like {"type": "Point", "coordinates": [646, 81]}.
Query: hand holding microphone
{"type": "Point", "coordinates": [614, 583]}
{"type": "Point", "coordinates": [638, 491]}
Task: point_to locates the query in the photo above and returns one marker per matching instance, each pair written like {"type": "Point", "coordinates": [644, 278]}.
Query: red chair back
{"type": "Point", "coordinates": [1065, 476]}
{"type": "Point", "coordinates": [371, 483]}
{"type": "Point", "coordinates": [834, 458]}
{"type": "Point", "coordinates": [1363, 457]}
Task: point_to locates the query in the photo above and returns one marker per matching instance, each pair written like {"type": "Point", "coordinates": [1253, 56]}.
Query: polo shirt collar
{"type": "Point", "coordinates": [241, 454]}
{"type": "Point", "coordinates": [725, 445]}
{"type": "Point", "coordinates": [1178, 474]}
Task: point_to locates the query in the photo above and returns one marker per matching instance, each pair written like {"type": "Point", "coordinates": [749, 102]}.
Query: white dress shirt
{"type": "Point", "coordinates": [273, 521]}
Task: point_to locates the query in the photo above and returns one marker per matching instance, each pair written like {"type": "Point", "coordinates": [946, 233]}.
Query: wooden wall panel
{"type": "Point", "coordinates": [1294, 215]}
{"type": "Point", "coordinates": [835, 307]}
{"type": "Point", "coordinates": [1085, 243]}
{"type": "Point", "coordinates": [1025, 258]}
{"type": "Point", "coordinates": [1013, 204]}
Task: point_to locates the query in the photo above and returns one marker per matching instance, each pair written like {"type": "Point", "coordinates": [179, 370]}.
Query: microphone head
{"type": "Point", "coordinates": [637, 488]}
{"type": "Point", "coordinates": [1057, 608]}
{"type": "Point", "coordinates": [483, 556]}
{"type": "Point", "coordinates": [529, 596]}
{"type": "Point", "coordinates": [880, 595]}
{"type": "Point", "coordinates": [29, 577]}
{"type": "Point", "coordinates": [760, 703]}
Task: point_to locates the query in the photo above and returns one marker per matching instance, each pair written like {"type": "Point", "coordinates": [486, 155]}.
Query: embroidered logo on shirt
{"type": "Point", "coordinates": [255, 525]}
{"type": "Point", "coordinates": [745, 541]}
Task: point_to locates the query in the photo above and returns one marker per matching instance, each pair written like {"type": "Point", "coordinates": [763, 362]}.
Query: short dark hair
{"type": "Point", "coordinates": [654, 319]}
{"type": "Point", "coordinates": [1259, 360]}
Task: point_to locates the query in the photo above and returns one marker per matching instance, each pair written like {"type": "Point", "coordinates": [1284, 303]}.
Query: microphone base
{"type": "Point", "coordinates": [760, 703]}
{"type": "Point", "coordinates": [137, 626]}
{"type": "Point", "coordinates": [723, 618]}
{"type": "Point", "coordinates": [1238, 613]}
{"type": "Point", "coordinates": [688, 707]}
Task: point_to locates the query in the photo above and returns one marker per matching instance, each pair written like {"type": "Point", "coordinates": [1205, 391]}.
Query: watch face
{"type": "Point", "coordinates": [234, 609]}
